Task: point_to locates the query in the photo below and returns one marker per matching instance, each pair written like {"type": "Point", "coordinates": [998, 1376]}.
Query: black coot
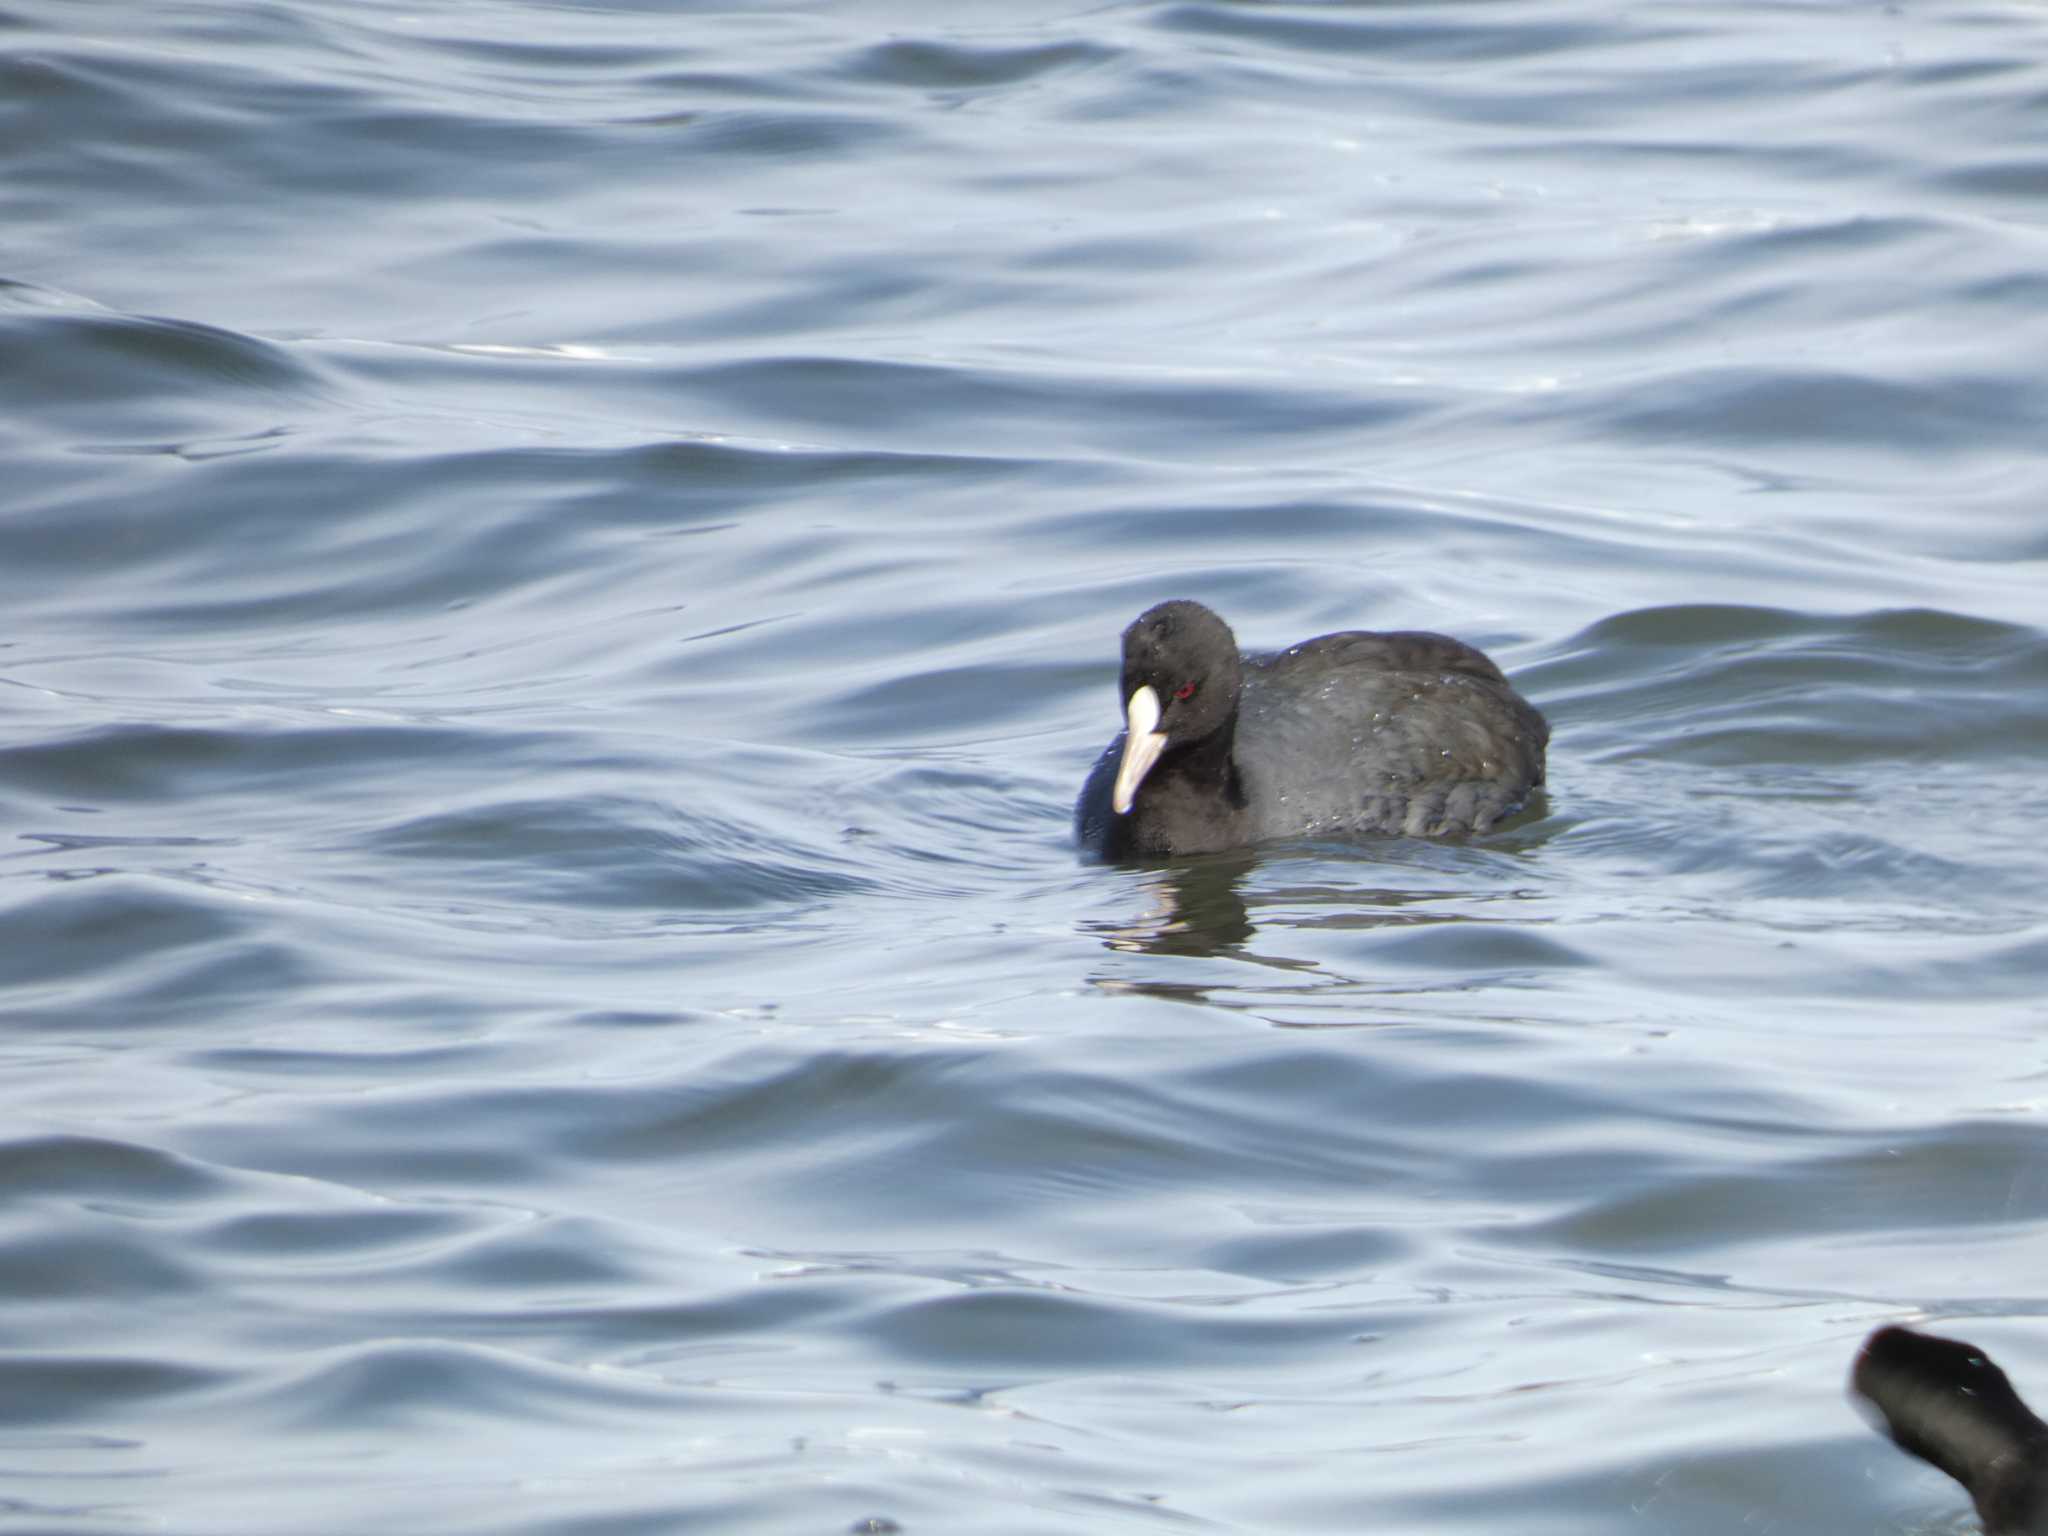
{"type": "Point", "coordinates": [1945, 1401]}
{"type": "Point", "coordinates": [1354, 732]}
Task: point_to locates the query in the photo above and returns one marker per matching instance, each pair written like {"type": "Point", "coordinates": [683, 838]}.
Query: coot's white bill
{"type": "Point", "coordinates": [1143, 742]}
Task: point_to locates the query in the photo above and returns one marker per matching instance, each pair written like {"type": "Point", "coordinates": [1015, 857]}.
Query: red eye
{"type": "Point", "coordinates": [1184, 691]}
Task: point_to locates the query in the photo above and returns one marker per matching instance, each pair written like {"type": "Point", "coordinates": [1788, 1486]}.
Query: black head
{"type": "Point", "coordinates": [1179, 690]}
{"type": "Point", "coordinates": [1188, 658]}
{"type": "Point", "coordinates": [1946, 1402]}
{"type": "Point", "coordinates": [1897, 1363]}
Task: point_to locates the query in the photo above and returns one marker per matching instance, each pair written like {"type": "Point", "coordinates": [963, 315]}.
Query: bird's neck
{"type": "Point", "coordinates": [1212, 761]}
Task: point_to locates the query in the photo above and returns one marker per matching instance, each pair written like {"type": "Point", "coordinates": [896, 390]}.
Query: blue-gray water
{"type": "Point", "coordinates": [560, 567]}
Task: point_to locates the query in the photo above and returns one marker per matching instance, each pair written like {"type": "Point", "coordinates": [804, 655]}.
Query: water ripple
{"type": "Point", "coordinates": [563, 565]}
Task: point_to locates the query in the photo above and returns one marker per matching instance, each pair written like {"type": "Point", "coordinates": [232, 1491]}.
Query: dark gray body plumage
{"type": "Point", "coordinates": [1349, 733]}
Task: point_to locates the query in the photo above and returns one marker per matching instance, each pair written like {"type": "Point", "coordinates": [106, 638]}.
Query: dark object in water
{"type": "Point", "coordinates": [1945, 1401]}
{"type": "Point", "coordinates": [1348, 733]}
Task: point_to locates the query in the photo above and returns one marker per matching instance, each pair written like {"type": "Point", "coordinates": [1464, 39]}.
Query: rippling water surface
{"type": "Point", "coordinates": [560, 568]}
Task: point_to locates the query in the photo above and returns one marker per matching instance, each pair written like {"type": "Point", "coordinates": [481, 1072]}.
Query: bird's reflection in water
{"type": "Point", "coordinates": [1201, 907]}
{"type": "Point", "coordinates": [1211, 909]}
{"type": "Point", "coordinates": [1194, 907]}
